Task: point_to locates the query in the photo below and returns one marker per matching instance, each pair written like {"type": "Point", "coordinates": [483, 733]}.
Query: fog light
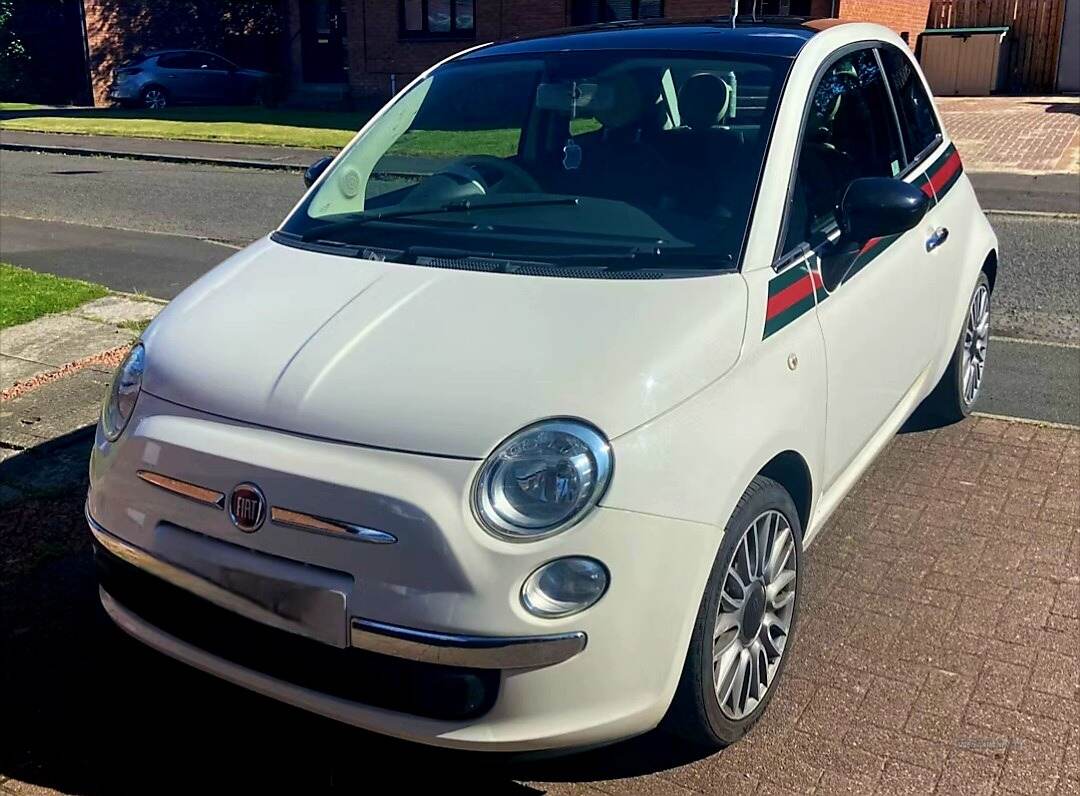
{"type": "Point", "coordinates": [564, 587]}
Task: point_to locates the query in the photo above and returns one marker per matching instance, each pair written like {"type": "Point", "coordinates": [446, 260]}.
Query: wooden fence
{"type": "Point", "coordinates": [1034, 31]}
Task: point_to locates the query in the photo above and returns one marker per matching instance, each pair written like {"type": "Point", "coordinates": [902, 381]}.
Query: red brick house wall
{"type": "Point", "coordinates": [378, 57]}
{"type": "Point", "coordinates": [903, 16]}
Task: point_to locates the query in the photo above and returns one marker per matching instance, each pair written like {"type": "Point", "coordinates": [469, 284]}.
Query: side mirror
{"type": "Point", "coordinates": [874, 207]}
{"type": "Point", "coordinates": [315, 170]}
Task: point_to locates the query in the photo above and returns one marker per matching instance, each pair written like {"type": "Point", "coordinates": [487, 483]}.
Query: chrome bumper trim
{"type": "Point", "coordinates": [200, 494]}
{"type": "Point", "coordinates": [311, 611]}
{"type": "Point", "coordinates": [309, 522]}
{"type": "Point", "coordinates": [476, 652]}
{"type": "Point", "coordinates": [304, 609]}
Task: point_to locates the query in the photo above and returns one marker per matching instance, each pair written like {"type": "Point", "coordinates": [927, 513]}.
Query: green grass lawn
{"type": "Point", "coordinates": [26, 295]}
{"type": "Point", "coordinates": [244, 125]}
{"type": "Point", "coordinates": [19, 106]}
{"type": "Point", "coordinates": [273, 126]}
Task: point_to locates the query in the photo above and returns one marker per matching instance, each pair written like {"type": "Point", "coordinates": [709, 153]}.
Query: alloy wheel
{"type": "Point", "coordinates": [976, 339]}
{"type": "Point", "coordinates": [753, 620]}
{"type": "Point", "coordinates": [155, 99]}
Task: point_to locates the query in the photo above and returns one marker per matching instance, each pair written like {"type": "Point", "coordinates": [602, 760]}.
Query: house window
{"type": "Point", "coordinates": [783, 8]}
{"type": "Point", "coordinates": [437, 19]}
{"type": "Point", "coordinates": [586, 12]}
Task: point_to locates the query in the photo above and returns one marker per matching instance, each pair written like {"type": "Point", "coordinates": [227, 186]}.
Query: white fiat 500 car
{"type": "Point", "coordinates": [513, 434]}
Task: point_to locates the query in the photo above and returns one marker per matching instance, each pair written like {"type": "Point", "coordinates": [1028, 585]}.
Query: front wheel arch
{"type": "Point", "coordinates": [790, 470]}
{"type": "Point", "coordinates": [990, 268]}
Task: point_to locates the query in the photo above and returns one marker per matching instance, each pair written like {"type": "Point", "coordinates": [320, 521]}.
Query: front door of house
{"type": "Point", "coordinates": [322, 41]}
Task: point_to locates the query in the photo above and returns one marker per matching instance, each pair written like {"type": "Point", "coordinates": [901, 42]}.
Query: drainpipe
{"type": "Point", "coordinates": [86, 53]}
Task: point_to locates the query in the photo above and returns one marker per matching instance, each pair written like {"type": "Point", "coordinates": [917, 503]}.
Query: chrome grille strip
{"type": "Point", "coordinates": [309, 522]}
{"type": "Point", "coordinates": [200, 494]}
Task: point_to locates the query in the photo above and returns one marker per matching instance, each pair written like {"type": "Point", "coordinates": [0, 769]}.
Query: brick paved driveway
{"type": "Point", "coordinates": [937, 651]}
{"type": "Point", "coordinates": [1033, 135]}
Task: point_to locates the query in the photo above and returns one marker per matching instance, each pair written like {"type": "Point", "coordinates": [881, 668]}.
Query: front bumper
{"type": "Point", "coordinates": [309, 611]}
{"type": "Point", "coordinates": [445, 594]}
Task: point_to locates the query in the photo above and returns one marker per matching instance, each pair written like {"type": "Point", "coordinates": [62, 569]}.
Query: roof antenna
{"type": "Point", "coordinates": [734, 12]}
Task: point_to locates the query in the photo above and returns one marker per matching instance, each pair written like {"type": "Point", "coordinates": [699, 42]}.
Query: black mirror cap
{"type": "Point", "coordinates": [874, 207]}
{"type": "Point", "coordinates": [315, 170]}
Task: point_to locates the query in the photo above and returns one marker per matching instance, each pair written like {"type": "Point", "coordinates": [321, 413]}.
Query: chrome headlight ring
{"type": "Point", "coordinates": [542, 480]}
{"type": "Point", "coordinates": [123, 392]}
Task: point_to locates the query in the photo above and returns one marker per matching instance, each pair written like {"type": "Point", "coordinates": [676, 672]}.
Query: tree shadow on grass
{"type": "Point", "coordinates": [89, 710]}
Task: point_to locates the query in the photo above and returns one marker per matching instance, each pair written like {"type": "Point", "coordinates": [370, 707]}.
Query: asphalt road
{"type": "Point", "coordinates": [107, 205]}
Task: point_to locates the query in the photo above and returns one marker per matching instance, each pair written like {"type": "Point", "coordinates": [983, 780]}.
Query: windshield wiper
{"type": "Point", "coordinates": [458, 206]}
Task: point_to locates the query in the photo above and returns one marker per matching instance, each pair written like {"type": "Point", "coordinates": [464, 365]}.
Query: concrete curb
{"type": "Point", "coordinates": [154, 156]}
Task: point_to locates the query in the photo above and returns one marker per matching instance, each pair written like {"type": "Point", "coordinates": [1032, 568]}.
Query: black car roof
{"type": "Point", "coordinates": [780, 36]}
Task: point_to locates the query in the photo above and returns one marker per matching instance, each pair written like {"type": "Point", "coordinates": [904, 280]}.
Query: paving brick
{"type": "Point", "coordinates": [1070, 768]}
{"type": "Point", "coordinates": [1002, 684]}
{"type": "Point", "coordinates": [830, 708]}
{"type": "Point", "coordinates": [933, 727]}
{"type": "Point", "coordinates": [944, 693]}
{"type": "Point", "coordinates": [968, 774]}
{"type": "Point", "coordinates": [1068, 787]}
{"type": "Point", "coordinates": [1017, 724]}
{"type": "Point", "coordinates": [888, 703]}
{"type": "Point", "coordinates": [1032, 768]}
{"type": "Point", "coordinates": [1057, 674]}
{"type": "Point", "coordinates": [895, 745]}
{"type": "Point", "coordinates": [903, 778]}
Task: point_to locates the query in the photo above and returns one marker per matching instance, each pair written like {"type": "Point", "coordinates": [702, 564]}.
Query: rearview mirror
{"type": "Point", "coordinates": [315, 170]}
{"type": "Point", "coordinates": [874, 207]}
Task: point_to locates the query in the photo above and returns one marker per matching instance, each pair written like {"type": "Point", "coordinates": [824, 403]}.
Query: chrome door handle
{"type": "Point", "coordinates": [941, 234]}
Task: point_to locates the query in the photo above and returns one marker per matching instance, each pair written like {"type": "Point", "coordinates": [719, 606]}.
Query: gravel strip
{"type": "Point", "coordinates": [109, 359]}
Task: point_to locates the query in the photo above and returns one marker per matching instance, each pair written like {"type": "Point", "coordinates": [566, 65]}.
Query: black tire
{"type": "Point", "coordinates": [948, 403]}
{"type": "Point", "coordinates": [146, 95]}
{"type": "Point", "coordinates": [695, 713]}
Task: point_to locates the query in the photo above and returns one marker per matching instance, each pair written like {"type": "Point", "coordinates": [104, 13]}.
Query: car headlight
{"type": "Point", "coordinates": [123, 392]}
{"type": "Point", "coordinates": [542, 479]}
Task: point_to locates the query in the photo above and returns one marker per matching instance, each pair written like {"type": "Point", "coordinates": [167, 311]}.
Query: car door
{"type": "Point", "coordinates": [217, 78]}
{"type": "Point", "coordinates": [934, 165]}
{"type": "Point", "coordinates": [876, 303]}
{"type": "Point", "coordinates": [181, 76]}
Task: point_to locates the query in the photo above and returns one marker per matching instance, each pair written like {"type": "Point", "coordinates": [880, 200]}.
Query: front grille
{"type": "Point", "coordinates": [422, 689]}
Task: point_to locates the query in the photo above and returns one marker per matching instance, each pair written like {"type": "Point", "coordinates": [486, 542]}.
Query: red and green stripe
{"type": "Point", "coordinates": [791, 294]}
{"type": "Point", "coordinates": [797, 290]}
{"type": "Point", "coordinates": [943, 173]}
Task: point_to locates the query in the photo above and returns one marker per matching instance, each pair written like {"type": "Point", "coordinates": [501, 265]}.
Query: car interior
{"type": "Point", "coordinates": [664, 152]}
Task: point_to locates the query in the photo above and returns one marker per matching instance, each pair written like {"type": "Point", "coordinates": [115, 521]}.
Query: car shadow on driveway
{"type": "Point", "coordinates": [86, 709]}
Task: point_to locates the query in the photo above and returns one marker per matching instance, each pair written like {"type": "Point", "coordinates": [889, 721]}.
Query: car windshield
{"type": "Point", "coordinates": [578, 163]}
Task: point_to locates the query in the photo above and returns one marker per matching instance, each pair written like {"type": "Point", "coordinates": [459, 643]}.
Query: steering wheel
{"type": "Point", "coordinates": [490, 172]}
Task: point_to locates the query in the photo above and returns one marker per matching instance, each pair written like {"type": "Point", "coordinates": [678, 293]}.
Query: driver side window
{"type": "Point", "coordinates": [850, 133]}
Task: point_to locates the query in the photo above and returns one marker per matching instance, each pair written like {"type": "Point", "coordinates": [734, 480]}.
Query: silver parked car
{"type": "Point", "coordinates": [164, 77]}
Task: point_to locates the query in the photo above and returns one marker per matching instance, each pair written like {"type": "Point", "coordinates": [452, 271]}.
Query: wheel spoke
{"type": "Point", "coordinates": [778, 592]}
{"type": "Point", "coordinates": [782, 547]}
{"type": "Point", "coordinates": [772, 648]}
{"type": "Point", "coordinates": [726, 622]}
{"type": "Point", "coordinates": [753, 688]}
{"type": "Point", "coordinates": [746, 558]}
{"type": "Point", "coordinates": [726, 671]}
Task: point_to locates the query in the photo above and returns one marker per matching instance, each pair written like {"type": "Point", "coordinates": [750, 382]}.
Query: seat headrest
{"type": "Point", "coordinates": [625, 105]}
{"type": "Point", "coordinates": [703, 100]}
